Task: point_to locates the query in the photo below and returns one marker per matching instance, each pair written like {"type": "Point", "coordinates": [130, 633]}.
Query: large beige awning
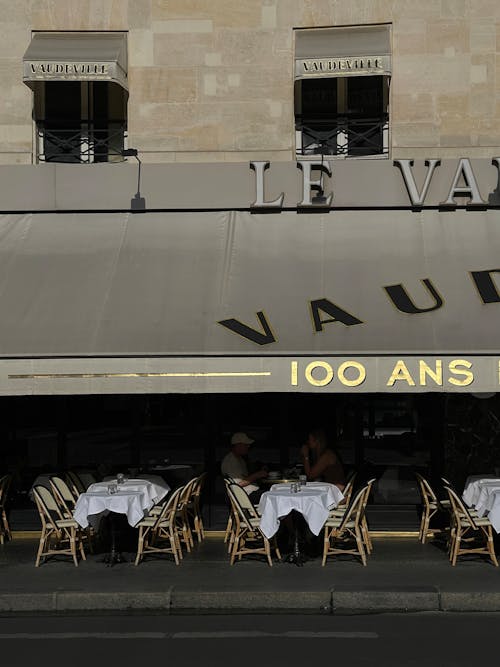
{"type": "Point", "coordinates": [73, 56]}
{"type": "Point", "coordinates": [358, 301]}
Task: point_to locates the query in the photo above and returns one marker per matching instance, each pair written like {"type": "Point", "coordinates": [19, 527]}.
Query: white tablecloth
{"type": "Point", "coordinates": [487, 496]}
{"type": "Point", "coordinates": [313, 501]}
{"type": "Point", "coordinates": [473, 486]}
{"type": "Point", "coordinates": [134, 498]}
{"type": "Point", "coordinates": [483, 492]}
{"type": "Point", "coordinates": [494, 513]}
{"type": "Point", "coordinates": [154, 488]}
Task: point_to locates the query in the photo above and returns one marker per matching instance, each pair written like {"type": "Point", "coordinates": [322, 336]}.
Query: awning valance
{"type": "Point", "coordinates": [230, 301]}
{"type": "Point", "coordinates": [337, 52]}
{"type": "Point", "coordinates": [73, 56]}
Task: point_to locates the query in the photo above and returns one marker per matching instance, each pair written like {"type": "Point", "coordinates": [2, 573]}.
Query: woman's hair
{"type": "Point", "coordinates": [319, 434]}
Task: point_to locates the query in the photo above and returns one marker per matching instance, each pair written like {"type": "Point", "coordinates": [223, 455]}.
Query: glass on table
{"type": "Point", "coordinates": [303, 480]}
{"type": "Point", "coordinates": [112, 488]}
{"type": "Point", "coordinates": [120, 478]}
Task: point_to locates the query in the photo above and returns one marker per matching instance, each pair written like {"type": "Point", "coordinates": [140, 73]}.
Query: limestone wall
{"type": "Point", "coordinates": [213, 80]}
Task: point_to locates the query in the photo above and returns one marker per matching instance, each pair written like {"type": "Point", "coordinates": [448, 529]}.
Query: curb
{"type": "Point", "coordinates": [337, 601]}
{"type": "Point", "coordinates": [252, 601]}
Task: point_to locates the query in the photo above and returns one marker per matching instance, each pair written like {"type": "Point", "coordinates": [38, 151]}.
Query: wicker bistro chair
{"type": "Point", "coordinates": [194, 507]}
{"type": "Point", "coordinates": [248, 537]}
{"type": "Point", "coordinates": [340, 510]}
{"type": "Point", "coordinates": [232, 519]}
{"type": "Point", "coordinates": [57, 531]}
{"type": "Point", "coordinates": [349, 487]}
{"type": "Point", "coordinates": [159, 534]}
{"type": "Point", "coordinates": [66, 502]}
{"type": "Point", "coordinates": [75, 483]}
{"type": "Point", "coordinates": [182, 514]}
{"type": "Point", "coordinates": [365, 531]}
{"type": "Point", "coordinates": [64, 491]}
{"type": "Point", "coordinates": [445, 502]}
{"type": "Point", "coordinates": [462, 525]}
{"type": "Point", "coordinates": [430, 506]}
{"type": "Point", "coordinates": [4, 523]}
{"type": "Point", "coordinates": [63, 496]}
{"type": "Point", "coordinates": [347, 529]}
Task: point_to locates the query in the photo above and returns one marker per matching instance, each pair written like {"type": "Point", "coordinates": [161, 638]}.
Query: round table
{"type": "Point", "coordinates": [314, 502]}
{"type": "Point", "coordinates": [133, 499]}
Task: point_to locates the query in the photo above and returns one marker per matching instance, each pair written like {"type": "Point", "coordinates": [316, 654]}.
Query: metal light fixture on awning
{"type": "Point", "coordinates": [74, 56]}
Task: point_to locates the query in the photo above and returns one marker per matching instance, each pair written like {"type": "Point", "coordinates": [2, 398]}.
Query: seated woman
{"type": "Point", "coordinates": [321, 462]}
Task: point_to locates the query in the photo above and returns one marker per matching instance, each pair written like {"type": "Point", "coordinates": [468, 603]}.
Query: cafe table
{"type": "Point", "coordinates": [132, 498]}
{"type": "Point", "coordinates": [314, 502]}
{"type": "Point", "coordinates": [494, 508]}
{"type": "Point", "coordinates": [474, 485]}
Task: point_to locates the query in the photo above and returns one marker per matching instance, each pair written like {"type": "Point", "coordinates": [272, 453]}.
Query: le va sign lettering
{"type": "Point", "coordinates": [324, 311]}
{"type": "Point", "coordinates": [463, 183]}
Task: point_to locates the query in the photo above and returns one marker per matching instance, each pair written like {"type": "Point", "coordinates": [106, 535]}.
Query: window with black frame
{"type": "Point", "coordinates": [80, 94]}
{"type": "Point", "coordinates": [80, 121]}
{"type": "Point", "coordinates": [341, 99]}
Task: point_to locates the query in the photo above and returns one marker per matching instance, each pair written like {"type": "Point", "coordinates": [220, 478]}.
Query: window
{"type": "Point", "coordinates": [80, 121]}
{"type": "Point", "coordinates": [79, 81]}
{"type": "Point", "coordinates": [342, 92]}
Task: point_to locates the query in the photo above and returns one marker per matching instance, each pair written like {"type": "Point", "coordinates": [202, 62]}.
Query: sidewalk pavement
{"type": "Point", "coordinates": [401, 575]}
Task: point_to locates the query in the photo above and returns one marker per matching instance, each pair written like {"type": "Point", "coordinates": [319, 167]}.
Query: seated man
{"type": "Point", "coordinates": [234, 464]}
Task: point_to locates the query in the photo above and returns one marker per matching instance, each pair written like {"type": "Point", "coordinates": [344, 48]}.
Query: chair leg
{"type": "Point", "coordinates": [421, 528]}
{"type": "Point", "coordinates": [88, 532]}
{"type": "Point", "coordinates": [140, 546]}
{"type": "Point", "coordinates": [173, 546]}
{"type": "Point", "coordinates": [72, 545]}
{"type": "Point", "coordinates": [43, 539]}
{"type": "Point", "coordinates": [276, 550]}
{"type": "Point", "coordinates": [326, 544]}
{"type": "Point", "coordinates": [361, 548]}
{"type": "Point", "coordinates": [6, 526]}
{"type": "Point", "coordinates": [234, 550]}
{"type": "Point", "coordinates": [456, 548]}
{"type": "Point", "coordinates": [426, 529]}
{"type": "Point", "coordinates": [198, 528]}
{"type": "Point", "coordinates": [267, 547]}
{"type": "Point", "coordinates": [366, 535]}
{"type": "Point", "coordinates": [80, 545]}
{"type": "Point", "coordinates": [491, 546]}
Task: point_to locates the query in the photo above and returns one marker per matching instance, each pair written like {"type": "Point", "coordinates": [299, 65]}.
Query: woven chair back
{"type": "Point", "coordinates": [458, 506]}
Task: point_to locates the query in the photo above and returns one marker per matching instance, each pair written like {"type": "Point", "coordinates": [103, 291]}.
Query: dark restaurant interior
{"type": "Point", "coordinates": [389, 437]}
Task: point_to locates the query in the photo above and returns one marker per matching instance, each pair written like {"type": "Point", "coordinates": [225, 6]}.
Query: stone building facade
{"type": "Point", "coordinates": [213, 81]}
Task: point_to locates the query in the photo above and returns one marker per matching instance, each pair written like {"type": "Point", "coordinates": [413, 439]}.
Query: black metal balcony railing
{"type": "Point", "coordinates": [344, 136]}
{"type": "Point", "coordinates": [83, 145]}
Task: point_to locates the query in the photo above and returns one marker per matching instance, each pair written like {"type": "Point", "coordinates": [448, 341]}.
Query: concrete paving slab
{"type": "Point", "coordinates": [377, 598]}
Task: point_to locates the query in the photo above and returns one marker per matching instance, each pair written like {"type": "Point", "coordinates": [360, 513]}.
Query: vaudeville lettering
{"type": "Point", "coordinates": [326, 312]}
{"type": "Point", "coordinates": [463, 183]}
{"type": "Point", "coordinates": [53, 69]}
{"type": "Point", "coordinates": [324, 65]}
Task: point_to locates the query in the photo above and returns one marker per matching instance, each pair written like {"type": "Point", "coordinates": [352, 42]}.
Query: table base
{"type": "Point", "coordinates": [296, 557]}
{"type": "Point", "coordinates": [114, 523]}
{"type": "Point", "coordinates": [112, 558]}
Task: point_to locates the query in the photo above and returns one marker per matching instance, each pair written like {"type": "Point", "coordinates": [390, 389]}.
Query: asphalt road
{"type": "Point", "coordinates": [425, 639]}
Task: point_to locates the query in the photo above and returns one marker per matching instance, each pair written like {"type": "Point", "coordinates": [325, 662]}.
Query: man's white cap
{"type": "Point", "coordinates": [242, 438]}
